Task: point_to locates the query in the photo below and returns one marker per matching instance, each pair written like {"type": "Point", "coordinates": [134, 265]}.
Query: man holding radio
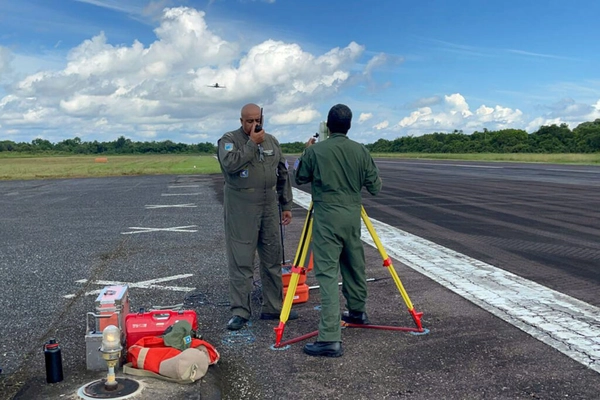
{"type": "Point", "coordinates": [256, 185]}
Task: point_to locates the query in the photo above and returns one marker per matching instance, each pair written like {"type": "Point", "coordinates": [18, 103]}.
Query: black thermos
{"type": "Point", "coordinates": [54, 369]}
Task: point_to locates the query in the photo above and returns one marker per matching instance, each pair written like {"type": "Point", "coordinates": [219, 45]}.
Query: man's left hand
{"type": "Point", "coordinates": [286, 217]}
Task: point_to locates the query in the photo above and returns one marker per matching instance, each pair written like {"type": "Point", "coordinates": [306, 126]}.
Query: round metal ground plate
{"type": "Point", "coordinates": [126, 388]}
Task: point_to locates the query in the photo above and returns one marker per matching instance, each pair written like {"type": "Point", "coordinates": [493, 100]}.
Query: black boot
{"type": "Point", "coordinates": [236, 323]}
{"type": "Point", "coordinates": [327, 349]}
{"type": "Point", "coordinates": [355, 317]}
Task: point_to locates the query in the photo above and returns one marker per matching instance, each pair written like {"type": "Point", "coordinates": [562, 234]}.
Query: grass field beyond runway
{"type": "Point", "coordinates": [24, 168]}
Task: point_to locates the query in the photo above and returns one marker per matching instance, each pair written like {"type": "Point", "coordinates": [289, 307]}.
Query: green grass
{"type": "Point", "coordinates": [592, 158]}
{"type": "Point", "coordinates": [24, 168]}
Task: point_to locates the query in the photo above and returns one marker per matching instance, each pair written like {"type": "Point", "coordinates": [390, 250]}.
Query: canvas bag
{"type": "Point", "coordinates": [150, 356]}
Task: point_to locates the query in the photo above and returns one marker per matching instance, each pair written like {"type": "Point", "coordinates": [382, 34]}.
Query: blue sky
{"type": "Point", "coordinates": [99, 69]}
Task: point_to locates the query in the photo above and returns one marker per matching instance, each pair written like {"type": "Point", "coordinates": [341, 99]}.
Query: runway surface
{"type": "Point", "coordinates": [484, 249]}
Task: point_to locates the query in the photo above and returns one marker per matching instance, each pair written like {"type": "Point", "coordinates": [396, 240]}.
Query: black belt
{"type": "Point", "coordinates": [248, 190]}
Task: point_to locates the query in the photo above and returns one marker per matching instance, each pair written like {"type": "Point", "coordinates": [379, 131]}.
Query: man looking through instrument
{"type": "Point", "coordinates": [337, 168]}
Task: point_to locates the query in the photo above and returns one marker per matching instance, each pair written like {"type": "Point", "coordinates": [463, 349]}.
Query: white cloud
{"type": "Point", "coordinates": [454, 114]}
{"type": "Point", "coordinates": [420, 116]}
{"type": "Point", "coordinates": [381, 125]}
{"type": "Point", "coordinates": [364, 117]}
{"type": "Point", "coordinates": [535, 124]}
{"type": "Point", "coordinates": [566, 111]}
{"type": "Point", "coordinates": [374, 62]}
{"type": "Point", "coordinates": [303, 115]}
{"type": "Point", "coordinates": [107, 90]}
{"type": "Point", "coordinates": [458, 104]}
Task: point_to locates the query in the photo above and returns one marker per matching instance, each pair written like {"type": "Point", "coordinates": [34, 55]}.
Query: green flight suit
{"type": "Point", "coordinates": [338, 169]}
{"type": "Point", "coordinates": [256, 183]}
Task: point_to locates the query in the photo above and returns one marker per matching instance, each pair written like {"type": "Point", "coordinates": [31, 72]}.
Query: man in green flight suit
{"type": "Point", "coordinates": [256, 185]}
{"type": "Point", "coordinates": [338, 168]}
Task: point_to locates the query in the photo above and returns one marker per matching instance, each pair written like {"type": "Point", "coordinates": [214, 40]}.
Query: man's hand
{"type": "Point", "coordinates": [311, 141]}
{"type": "Point", "coordinates": [286, 217]}
{"type": "Point", "coordinates": [257, 137]}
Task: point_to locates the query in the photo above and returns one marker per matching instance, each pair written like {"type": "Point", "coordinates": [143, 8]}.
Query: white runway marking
{"type": "Point", "coordinates": [153, 206]}
{"type": "Point", "coordinates": [444, 165]}
{"type": "Point", "coordinates": [138, 229]}
{"type": "Point", "coordinates": [180, 194]}
{"type": "Point", "coordinates": [182, 186]}
{"type": "Point", "coordinates": [563, 322]}
{"type": "Point", "coordinates": [574, 170]}
{"type": "Point", "coordinates": [149, 284]}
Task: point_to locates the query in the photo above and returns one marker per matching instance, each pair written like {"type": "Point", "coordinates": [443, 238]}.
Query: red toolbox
{"type": "Point", "coordinates": [154, 323]}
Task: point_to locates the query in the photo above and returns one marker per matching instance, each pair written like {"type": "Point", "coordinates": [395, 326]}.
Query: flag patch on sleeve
{"type": "Point", "coordinates": [228, 146]}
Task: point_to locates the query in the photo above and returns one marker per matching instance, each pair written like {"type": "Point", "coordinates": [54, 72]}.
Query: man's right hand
{"type": "Point", "coordinates": [311, 141]}
{"type": "Point", "coordinates": [257, 137]}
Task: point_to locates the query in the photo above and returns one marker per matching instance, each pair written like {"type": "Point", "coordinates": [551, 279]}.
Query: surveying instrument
{"type": "Point", "coordinates": [298, 268]}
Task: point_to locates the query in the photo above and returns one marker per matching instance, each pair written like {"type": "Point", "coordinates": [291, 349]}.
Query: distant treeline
{"type": "Point", "coordinates": [585, 138]}
{"type": "Point", "coordinates": [119, 146]}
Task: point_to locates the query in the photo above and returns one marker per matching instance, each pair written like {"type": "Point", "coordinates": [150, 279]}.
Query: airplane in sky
{"type": "Point", "coordinates": [216, 86]}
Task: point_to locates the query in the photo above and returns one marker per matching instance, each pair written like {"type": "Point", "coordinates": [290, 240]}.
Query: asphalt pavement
{"type": "Point", "coordinates": [63, 240]}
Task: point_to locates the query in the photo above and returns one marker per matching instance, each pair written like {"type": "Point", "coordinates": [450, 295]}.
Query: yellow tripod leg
{"type": "Point", "coordinates": [297, 268]}
{"type": "Point", "coordinates": [387, 262]}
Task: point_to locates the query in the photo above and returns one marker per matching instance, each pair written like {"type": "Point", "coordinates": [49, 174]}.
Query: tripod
{"type": "Point", "coordinates": [298, 269]}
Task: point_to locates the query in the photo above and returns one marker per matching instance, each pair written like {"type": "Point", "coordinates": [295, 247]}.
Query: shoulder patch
{"type": "Point", "coordinates": [296, 163]}
{"type": "Point", "coordinates": [228, 146]}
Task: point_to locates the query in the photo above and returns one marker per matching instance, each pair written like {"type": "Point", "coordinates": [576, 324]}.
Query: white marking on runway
{"type": "Point", "coordinates": [182, 186]}
{"type": "Point", "coordinates": [573, 170]}
{"type": "Point", "coordinates": [138, 229]}
{"type": "Point", "coordinates": [563, 322]}
{"type": "Point", "coordinates": [149, 284]}
{"type": "Point", "coordinates": [442, 165]}
{"type": "Point", "coordinates": [181, 194]}
{"type": "Point", "coordinates": [153, 206]}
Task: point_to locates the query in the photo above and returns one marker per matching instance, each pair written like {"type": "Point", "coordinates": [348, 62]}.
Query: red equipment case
{"type": "Point", "coordinates": [300, 295]}
{"type": "Point", "coordinates": [154, 323]}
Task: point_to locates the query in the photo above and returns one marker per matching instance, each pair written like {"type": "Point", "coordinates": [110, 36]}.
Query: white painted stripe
{"type": "Point", "coordinates": [582, 171]}
{"type": "Point", "coordinates": [180, 194]}
{"type": "Point", "coordinates": [441, 164]}
{"type": "Point", "coordinates": [153, 206]}
{"type": "Point", "coordinates": [182, 186]}
{"type": "Point", "coordinates": [138, 229]}
{"type": "Point", "coordinates": [149, 284]}
{"type": "Point", "coordinates": [563, 322]}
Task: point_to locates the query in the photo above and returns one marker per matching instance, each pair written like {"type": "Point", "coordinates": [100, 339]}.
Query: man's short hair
{"type": "Point", "coordinates": [339, 119]}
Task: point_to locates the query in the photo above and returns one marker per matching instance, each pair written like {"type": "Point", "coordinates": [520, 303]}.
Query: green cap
{"type": "Point", "coordinates": [179, 335]}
